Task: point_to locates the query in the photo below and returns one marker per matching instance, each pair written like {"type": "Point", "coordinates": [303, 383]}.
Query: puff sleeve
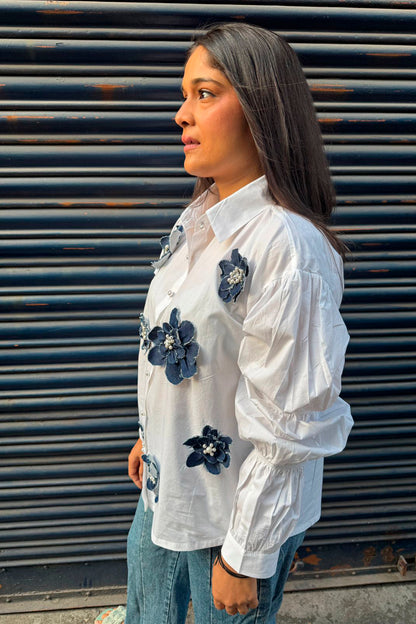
{"type": "Point", "coordinates": [288, 407]}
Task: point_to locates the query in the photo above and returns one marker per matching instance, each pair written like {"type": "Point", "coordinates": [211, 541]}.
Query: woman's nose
{"type": "Point", "coordinates": [184, 115]}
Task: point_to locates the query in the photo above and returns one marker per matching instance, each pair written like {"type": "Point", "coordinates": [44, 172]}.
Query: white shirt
{"type": "Point", "coordinates": [268, 376]}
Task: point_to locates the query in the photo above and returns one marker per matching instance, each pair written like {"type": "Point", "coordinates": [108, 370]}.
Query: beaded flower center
{"type": "Point", "coordinates": [236, 276]}
{"type": "Point", "coordinates": [169, 342]}
{"type": "Point", "coordinates": [209, 449]}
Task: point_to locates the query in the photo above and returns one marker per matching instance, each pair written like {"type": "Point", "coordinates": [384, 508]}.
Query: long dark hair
{"type": "Point", "coordinates": [274, 95]}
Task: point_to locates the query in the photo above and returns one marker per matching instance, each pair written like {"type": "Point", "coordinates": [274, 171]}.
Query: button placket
{"type": "Point", "coordinates": [148, 371]}
{"type": "Point", "coordinates": [168, 291]}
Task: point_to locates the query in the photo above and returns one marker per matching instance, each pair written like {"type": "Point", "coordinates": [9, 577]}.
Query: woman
{"type": "Point", "coordinates": [242, 345]}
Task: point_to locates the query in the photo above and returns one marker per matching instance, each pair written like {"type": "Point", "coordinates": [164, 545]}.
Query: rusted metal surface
{"type": "Point", "coordinates": [91, 177]}
{"type": "Point", "coordinates": [405, 564]}
{"type": "Point", "coordinates": [325, 561]}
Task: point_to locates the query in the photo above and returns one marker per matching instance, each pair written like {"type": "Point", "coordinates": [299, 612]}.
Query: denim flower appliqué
{"type": "Point", "coordinates": [144, 329]}
{"type": "Point", "coordinates": [211, 449]}
{"type": "Point", "coordinates": [168, 244]}
{"type": "Point", "coordinates": [175, 347]}
{"type": "Point", "coordinates": [233, 276]}
{"type": "Point", "coordinates": [152, 482]}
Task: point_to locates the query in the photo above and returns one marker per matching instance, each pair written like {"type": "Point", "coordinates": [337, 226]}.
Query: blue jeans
{"type": "Point", "coordinates": [161, 582]}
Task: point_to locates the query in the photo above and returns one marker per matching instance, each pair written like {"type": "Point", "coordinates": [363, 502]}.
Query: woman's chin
{"type": "Point", "coordinates": [193, 170]}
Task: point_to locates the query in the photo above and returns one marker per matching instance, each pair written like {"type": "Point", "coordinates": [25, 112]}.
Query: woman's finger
{"type": "Point", "coordinates": [243, 609]}
{"type": "Point", "coordinates": [219, 605]}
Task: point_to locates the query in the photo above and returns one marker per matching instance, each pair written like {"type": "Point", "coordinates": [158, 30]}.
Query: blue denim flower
{"type": "Point", "coordinates": [175, 347]}
{"type": "Point", "coordinates": [168, 244]}
{"type": "Point", "coordinates": [211, 449]}
{"type": "Point", "coordinates": [233, 276]}
{"type": "Point", "coordinates": [152, 482]}
{"type": "Point", "coordinates": [144, 329]}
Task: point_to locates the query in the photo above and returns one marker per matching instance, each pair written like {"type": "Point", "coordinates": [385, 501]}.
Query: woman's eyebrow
{"type": "Point", "coordinates": [196, 81]}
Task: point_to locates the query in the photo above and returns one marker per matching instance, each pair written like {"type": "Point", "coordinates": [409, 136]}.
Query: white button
{"type": "Point", "coordinates": [147, 374]}
{"type": "Point", "coordinates": [170, 293]}
{"type": "Point", "coordinates": [202, 225]}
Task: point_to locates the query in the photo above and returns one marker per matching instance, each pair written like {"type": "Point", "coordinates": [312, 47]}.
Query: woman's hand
{"type": "Point", "coordinates": [136, 464]}
{"type": "Point", "coordinates": [235, 595]}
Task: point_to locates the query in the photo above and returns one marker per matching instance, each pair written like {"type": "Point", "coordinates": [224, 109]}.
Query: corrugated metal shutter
{"type": "Point", "coordinates": [91, 177]}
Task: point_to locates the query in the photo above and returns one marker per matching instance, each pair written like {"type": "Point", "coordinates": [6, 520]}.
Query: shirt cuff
{"type": "Point", "coordinates": [253, 564]}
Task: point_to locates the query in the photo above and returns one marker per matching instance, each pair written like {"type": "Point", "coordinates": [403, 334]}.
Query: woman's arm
{"type": "Point", "coordinates": [291, 359]}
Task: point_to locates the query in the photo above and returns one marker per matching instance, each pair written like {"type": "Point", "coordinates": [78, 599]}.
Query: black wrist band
{"type": "Point", "coordinates": [221, 561]}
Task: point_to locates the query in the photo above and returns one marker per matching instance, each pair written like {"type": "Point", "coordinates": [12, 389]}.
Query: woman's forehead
{"type": "Point", "coordinates": [199, 68]}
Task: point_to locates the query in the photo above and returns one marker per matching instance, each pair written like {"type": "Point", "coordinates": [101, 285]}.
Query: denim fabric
{"type": "Point", "coordinates": [161, 582]}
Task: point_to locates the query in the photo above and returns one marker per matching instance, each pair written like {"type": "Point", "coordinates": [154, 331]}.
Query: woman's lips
{"type": "Point", "coordinates": [190, 144]}
{"type": "Point", "coordinates": [188, 147]}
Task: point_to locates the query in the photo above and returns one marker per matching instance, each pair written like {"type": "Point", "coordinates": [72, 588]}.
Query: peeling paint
{"type": "Point", "coordinates": [340, 567]}
{"type": "Point", "coordinates": [108, 89]}
{"type": "Point", "coordinates": [16, 117]}
{"type": "Point", "coordinates": [60, 11]}
{"type": "Point", "coordinates": [312, 560]}
{"type": "Point", "coordinates": [330, 121]}
{"type": "Point", "coordinates": [119, 203]}
{"type": "Point", "coordinates": [386, 54]}
{"type": "Point", "coordinates": [369, 554]}
{"type": "Point", "coordinates": [331, 89]}
{"type": "Point", "coordinates": [388, 555]}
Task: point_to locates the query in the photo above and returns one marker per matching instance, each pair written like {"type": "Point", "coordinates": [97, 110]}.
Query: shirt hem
{"type": "Point", "coordinates": [181, 547]}
{"type": "Point", "coordinates": [219, 541]}
{"type": "Point", "coordinates": [304, 526]}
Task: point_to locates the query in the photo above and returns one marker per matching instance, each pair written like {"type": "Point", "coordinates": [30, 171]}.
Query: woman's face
{"type": "Point", "coordinates": [218, 142]}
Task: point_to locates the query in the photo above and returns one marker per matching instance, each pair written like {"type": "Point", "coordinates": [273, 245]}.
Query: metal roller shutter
{"type": "Point", "coordinates": [91, 177]}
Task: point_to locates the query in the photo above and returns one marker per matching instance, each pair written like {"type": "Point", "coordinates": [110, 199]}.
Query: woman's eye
{"type": "Point", "coordinates": [204, 93]}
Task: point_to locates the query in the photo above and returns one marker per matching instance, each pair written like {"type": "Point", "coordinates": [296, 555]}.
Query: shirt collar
{"type": "Point", "coordinates": [230, 214]}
